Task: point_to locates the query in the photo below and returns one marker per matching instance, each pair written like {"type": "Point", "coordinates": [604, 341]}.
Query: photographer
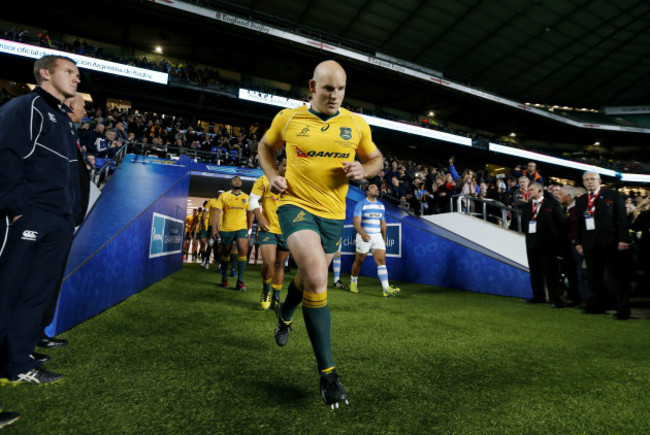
{"type": "Point", "coordinates": [520, 200]}
{"type": "Point", "coordinates": [531, 172]}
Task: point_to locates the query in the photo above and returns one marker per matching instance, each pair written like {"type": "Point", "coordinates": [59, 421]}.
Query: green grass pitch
{"type": "Point", "coordinates": [185, 356]}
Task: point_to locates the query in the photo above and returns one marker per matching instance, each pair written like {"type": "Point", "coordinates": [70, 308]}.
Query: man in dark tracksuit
{"type": "Point", "coordinates": [603, 237]}
{"type": "Point", "coordinates": [77, 112]}
{"type": "Point", "coordinates": [40, 204]}
{"type": "Point", "coordinates": [542, 221]}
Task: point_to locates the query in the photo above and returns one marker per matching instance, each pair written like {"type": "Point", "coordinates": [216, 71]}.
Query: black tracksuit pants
{"type": "Point", "coordinates": [33, 252]}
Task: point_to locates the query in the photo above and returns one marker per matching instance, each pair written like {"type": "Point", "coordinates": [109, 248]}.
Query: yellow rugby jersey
{"type": "Point", "coordinates": [235, 211]}
{"type": "Point", "coordinates": [188, 222]}
{"type": "Point", "coordinates": [195, 221]}
{"type": "Point", "coordinates": [208, 216]}
{"type": "Point", "coordinates": [269, 203]}
{"type": "Point", "coordinates": [316, 150]}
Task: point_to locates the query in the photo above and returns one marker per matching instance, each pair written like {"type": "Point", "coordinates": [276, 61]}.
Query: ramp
{"type": "Point", "coordinates": [132, 238]}
{"type": "Point", "coordinates": [495, 240]}
{"type": "Point", "coordinates": [447, 250]}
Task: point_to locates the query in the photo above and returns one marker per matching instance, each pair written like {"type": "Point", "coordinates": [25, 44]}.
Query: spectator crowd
{"type": "Point", "coordinates": [422, 188]}
{"type": "Point", "coordinates": [210, 77]}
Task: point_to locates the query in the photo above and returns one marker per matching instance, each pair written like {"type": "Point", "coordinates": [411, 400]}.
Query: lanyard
{"type": "Point", "coordinates": [591, 202]}
{"type": "Point", "coordinates": [536, 208]}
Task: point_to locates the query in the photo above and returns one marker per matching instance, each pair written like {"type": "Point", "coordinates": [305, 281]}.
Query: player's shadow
{"type": "Point", "coordinates": [281, 391]}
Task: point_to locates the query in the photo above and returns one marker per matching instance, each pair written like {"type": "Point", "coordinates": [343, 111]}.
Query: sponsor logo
{"type": "Point", "coordinates": [30, 235]}
{"type": "Point", "coordinates": [393, 240]}
{"type": "Point", "coordinates": [330, 154]}
{"type": "Point", "coordinates": [327, 127]}
{"type": "Point", "coordinates": [304, 132]}
{"type": "Point", "coordinates": [163, 162]}
{"type": "Point", "coordinates": [300, 217]}
{"type": "Point", "coordinates": [52, 117]}
{"type": "Point", "coordinates": [243, 173]}
{"type": "Point", "coordinates": [299, 153]}
{"type": "Point", "coordinates": [346, 133]}
{"type": "Point", "coordinates": [166, 236]}
{"type": "Point", "coordinates": [267, 238]}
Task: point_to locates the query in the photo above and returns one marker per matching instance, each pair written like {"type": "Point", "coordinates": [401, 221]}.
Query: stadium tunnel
{"type": "Point", "coordinates": [133, 238]}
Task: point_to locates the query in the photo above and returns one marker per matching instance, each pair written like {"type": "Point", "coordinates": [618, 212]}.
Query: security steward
{"type": "Point", "coordinates": [542, 222]}
{"type": "Point", "coordinates": [41, 203]}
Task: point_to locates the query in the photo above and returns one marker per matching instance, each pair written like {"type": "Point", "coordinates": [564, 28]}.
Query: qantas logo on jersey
{"type": "Point", "coordinates": [330, 154]}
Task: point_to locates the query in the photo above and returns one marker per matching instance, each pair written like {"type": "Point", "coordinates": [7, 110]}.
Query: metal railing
{"type": "Point", "coordinates": [484, 208]}
{"type": "Point", "coordinates": [395, 201]}
{"type": "Point", "coordinates": [218, 157]}
{"type": "Point", "coordinates": [100, 176]}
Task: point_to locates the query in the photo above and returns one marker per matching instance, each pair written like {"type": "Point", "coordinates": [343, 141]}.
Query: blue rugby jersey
{"type": "Point", "coordinates": [372, 213]}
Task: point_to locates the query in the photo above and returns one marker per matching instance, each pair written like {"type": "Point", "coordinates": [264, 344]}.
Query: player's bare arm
{"type": "Point", "coordinates": [367, 168]}
{"type": "Point", "coordinates": [356, 220]}
{"type": "Point", "coordinates": [216, 218]}
{"type": "Point", "coordinates": [263, 223]}
{"type": "Point", "coordinates": [249, 221]}
{"type": "Point", "coordinates": [266, 157]}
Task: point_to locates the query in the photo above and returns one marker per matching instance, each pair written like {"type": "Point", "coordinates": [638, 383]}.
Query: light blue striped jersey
{"type": "Point", "coordinates": [372, 213]}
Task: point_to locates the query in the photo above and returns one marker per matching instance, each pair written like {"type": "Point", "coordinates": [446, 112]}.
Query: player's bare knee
{"type": "Point", "coordinates": [315, 282]}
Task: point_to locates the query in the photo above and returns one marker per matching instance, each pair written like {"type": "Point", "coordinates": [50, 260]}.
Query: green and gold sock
{"type": "Point", "coordinates": [277, 288]}
{"type": "Point", "coordinates": [224, 268]}
{"type": "Point", "coordinates": [291, 302]}
{"type": "Point", "coordinates": [266, 285]}
{"type": "Point", "coordinates": [318, 322]}
{"type": "Point", "coordinates": [233, 260]}
{"type": "Point", "coordinates": [241, 267]}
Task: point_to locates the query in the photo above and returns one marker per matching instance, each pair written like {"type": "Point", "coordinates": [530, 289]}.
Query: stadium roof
{"type": "Point", "coordinates": [576, 53]}
{"type": "Point", "coordinates": [580, 53]}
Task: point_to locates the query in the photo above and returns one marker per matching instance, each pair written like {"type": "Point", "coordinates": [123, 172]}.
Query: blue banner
{"type": "Point", "coordinates": [393, 240]}
{"type": "Point", "coordinates": [166, 235]}
{"type": "Point", "coordinates": [232, 170]}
